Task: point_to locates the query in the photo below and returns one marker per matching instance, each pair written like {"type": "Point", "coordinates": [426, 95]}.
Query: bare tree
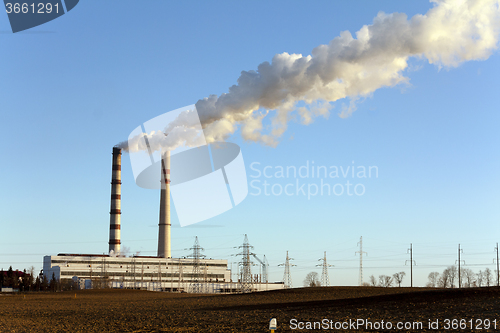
{"type": "Point", "coordinates": [373, 282]}
{"type": "Point", "coordinates": [468, 279]}
{"type": "Point", "coordinates": [447, 278]}
{"type": "Point", "coordinates": [31, 278]}
{"type": "Point", "coordinates": [398, 277]}
{"type": "Point", "coordinates": [453, 273]}
{"type": "Point", "coordinates": [312, 280]}
{"type": "Point", "coordinates": [433, 279]}
{"type": "Point", "coordinates": [480, 278]}
{"type": "Point", "coordinates": [488, 277]}
{"type": "Point", "coordinates": [385, 281]}
{"type": "Point", "coordinates": [444, 280]}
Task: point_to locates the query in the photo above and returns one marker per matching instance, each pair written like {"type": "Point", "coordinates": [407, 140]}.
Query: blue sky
{"type": "Point", "coordinates": [73, 88]}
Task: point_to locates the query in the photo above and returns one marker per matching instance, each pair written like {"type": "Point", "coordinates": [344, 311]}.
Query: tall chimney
{"type": "Point", "coordinates": [114, 220]}
{"type": "Point", "coordinates": [164, 224]}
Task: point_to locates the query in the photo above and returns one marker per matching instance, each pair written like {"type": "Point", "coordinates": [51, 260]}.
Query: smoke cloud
{"type": "Point", "coordinates": [450, 33]}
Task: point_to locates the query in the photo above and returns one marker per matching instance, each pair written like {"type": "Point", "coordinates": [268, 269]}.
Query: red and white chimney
{"type": "Point", "coordinates": [115, 212]}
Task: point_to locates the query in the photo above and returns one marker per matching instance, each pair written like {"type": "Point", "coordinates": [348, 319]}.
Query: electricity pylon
{"type": "Point", "coordinates": [325, 280]}
{"type": "Point", "coordinates": [246, 281]}
{"type": "Point", "coordinates": [360, 260]}
{"type": "Point", "coordinates": [196, 255]}
{"type": "Point", "coordinates": [287, 277]}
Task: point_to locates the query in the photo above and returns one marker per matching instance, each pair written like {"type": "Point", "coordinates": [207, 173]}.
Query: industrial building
{"type": "Point", "coordinates": [162, 273]}
{"type": "Point", "coordinates": [150, 273]}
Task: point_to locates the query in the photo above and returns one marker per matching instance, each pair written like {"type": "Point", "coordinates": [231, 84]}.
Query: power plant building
{"type": "Point", "coordinates": [149, 273]}
{"type": "Point", "coordinates": [161, 273]}
{"type": "Point", "coordinates": [139, 272]}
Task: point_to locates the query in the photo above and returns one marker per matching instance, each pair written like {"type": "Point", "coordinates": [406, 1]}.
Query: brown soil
{"type": "Point", "coordinates": [142, 311]}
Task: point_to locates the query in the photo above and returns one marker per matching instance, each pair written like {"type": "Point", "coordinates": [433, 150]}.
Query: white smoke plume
{"type": "Point", "coordinates": [450, 33]}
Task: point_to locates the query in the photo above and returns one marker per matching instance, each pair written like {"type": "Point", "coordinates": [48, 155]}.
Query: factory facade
{"type": "Point", "coordinates": [138, 272]}
{"type": "Point", "coordinates": [148, 273]}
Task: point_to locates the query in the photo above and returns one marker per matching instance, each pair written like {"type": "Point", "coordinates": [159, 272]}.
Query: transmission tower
{"type": "Point", "coordinates": [325, 280]}
{"type": "Point", "coordinates": [361, 260]}
{"type": "Point", "coordinates": [196, 255]}
{"type": "Point", "coordinates": [246, 281]}
{"type": "Point", "coordinates": [287, 277]}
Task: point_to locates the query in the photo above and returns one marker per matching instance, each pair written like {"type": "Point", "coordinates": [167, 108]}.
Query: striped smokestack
{"type": "Point", "coordinates": [164, 224]}
{"type": "Point", "coordinates": [114, 220]}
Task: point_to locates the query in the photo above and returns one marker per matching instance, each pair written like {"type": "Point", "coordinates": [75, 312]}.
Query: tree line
{"type": "Point", "coordinates": [25, 281]}
{"type": "Point", "coordinates": [449, 278]}
{"type": "Point", "coordinates": [386, 280]}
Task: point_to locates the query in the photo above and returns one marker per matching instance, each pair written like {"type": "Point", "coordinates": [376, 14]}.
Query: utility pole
{"type": "Point", "coordinates": [159, 273]}
{"type": "Point", "coordinates": [498, 271]}
{"type": "Point", "coordinates": [325, 281]}
{"type": "Point", "coordinates": [205, 280]}
{"type": "Point", "coordinates": [142, 275]}
{"type": "Point", "coordinates": [412, 262]}
{"type": "Point", "coordinates": [133, 270]}
{"type": "Point", "coordinates": [264, 265]}
{"type": "Point", "coordinates": [172, 279]}
{"type": "Point", "coordinates": [102, 274]}
{"type": "Point", "coordinates": [265, 268]}
{"type": "Point", "coordinates": [360, 260]}
{"type": "Point", "coordinates": [459, 277]}
{"type": "Point", "coordinates": [287, 276]}
{"type": "Point", "coordinates": [180, 281]}
{"type": "Point", "coordinates": [459, 262]}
